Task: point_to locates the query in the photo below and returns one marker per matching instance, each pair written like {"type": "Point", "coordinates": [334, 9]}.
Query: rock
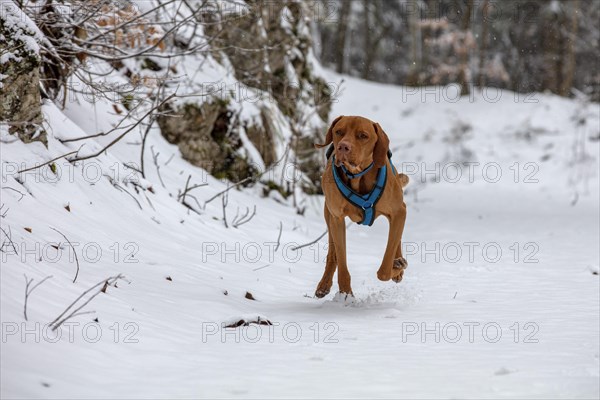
{"type": "Point", "coordinates": [20, 106]}
{"type": "Point", "coordinates": [202, 133]}
{"type": "Point", "coordinates": [268, 45]}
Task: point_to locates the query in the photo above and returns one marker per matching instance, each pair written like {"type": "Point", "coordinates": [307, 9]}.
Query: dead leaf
{"type": "Point", "coordinates": [236, 324]}
{"type": "Point", "coordinates": [249, 296]}
{"type": "Point", "coordinates": [68, 208]}
{"type": "Point", "coordinates": [169, 278]}
{"type": "Point", "coordinates": [28, 229]}
{"type": "Point", "coordinates": [243, 322]}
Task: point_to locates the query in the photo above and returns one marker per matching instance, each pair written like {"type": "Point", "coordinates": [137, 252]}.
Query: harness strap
{"type": "Point", "coordinates": [329, 152]}
{"type": "Point", "coordinates": [366, 201]}
{"type": "Point", "coordinates": [350, 175]}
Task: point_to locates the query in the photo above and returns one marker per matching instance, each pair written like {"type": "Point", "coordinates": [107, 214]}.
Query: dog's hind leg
{"type": "Point", "coordinates": [400, 265]}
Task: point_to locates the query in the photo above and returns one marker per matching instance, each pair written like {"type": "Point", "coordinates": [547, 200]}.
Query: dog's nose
{"type": "Point", "coordinates": [343, 148]}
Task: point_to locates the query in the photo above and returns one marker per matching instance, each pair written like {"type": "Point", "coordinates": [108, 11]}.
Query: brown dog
{"type": "Point", "coordinates": [358, 142]}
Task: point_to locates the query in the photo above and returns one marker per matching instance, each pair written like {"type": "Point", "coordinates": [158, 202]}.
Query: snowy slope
{"type": "Point", "coordinates": [466, 321]}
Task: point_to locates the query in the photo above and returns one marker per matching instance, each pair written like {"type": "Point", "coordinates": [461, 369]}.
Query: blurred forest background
{"type": "Point", "coordinates": [525, 46]}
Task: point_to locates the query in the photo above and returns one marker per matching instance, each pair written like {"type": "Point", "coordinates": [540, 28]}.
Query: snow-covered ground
{"type": "Point", "coordinates": [500, 300]}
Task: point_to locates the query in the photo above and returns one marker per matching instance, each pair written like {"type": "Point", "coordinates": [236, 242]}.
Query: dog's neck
{"type": "Point", "coordinates": [363, 184]}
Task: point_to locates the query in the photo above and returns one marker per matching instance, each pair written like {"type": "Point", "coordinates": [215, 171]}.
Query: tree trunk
{"type": "Point", "coordinates": [552, 48]}
{"type": "Point", "coordinates": [367, 41]}
{"type": "Point", "coordinates": [340, 47]}
{"type": "Point", "coordinates": [373, 37]}
{"type": "Point", "coordinates": [484, 44]}
{"type": "Point", "coordinates": [569, 70]}
{"type": "Point", "coordinates": [415, 43]}
{"type": "Point", "coordinates": [464, 57]}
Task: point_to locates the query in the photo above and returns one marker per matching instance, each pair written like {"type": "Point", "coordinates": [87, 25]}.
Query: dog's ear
{"type": "Point", "coordinates": [329, 136]}
{"type": "Point", "coordinates": [380, 152]}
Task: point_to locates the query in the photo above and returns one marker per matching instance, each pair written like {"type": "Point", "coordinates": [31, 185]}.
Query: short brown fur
{"type": "Point", "coordinates": [357, 142]}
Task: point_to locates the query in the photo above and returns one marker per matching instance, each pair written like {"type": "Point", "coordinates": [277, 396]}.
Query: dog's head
{"type": "Point", "coordinates": [357, 142]}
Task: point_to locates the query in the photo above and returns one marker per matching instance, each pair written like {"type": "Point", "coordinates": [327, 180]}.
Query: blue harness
{"type": "Point", "coordinates": [366, 201]}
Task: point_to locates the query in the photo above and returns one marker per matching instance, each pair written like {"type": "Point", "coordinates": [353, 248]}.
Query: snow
{"type": "Point", "coordinates": [465, 322]}
{"type": "Point", "coordinates": [23, 30]}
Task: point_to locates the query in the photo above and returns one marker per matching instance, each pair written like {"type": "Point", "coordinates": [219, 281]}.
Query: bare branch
{"type": "Point", "coordinates": [101, 286]}
{"type": "Point", "coordinates": [3, 214]}
{"type": "Point", "coordinates": [121, 136]}
{"type": "Point", "coordinates": [29, 291]}
{"type": "Point", "coordinates": [279, 237]}
{"type": "Point", "coordinates": [155, 159]}
{"type": "Point", "coordinates": [9, 237]}
{"type": "Point", "coordinates": [224, 201]}
{"type": "Point", "coordinates": [244, 219]}
{"type": "Point", "coordinates": [7, 187]}
{"type": "Point", "coordinates": [296, 248]}
{"type": "Point", "coordinates": [122, 189]}
{"type": "Point", "coordinates": [189, 188]}
{"type": "Point", "coordinates": [48, 162]}
{"type": "Point", "coordinates": [182, 196]}
{"type": "Point", "coordinates": [116, 127]}
{"type": "Point", "coordinates": [228, 189]}
{"type": "Point", "coordinates": [74, 252]}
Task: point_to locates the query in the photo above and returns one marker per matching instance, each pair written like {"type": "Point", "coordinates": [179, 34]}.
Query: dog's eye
{"type": "Point", "coordinates": [339, 133]}
{"type": "Point", "coordinates": [363, 135]}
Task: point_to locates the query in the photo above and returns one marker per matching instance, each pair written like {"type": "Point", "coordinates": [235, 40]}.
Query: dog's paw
{"type": "Point", "coordinates": [320, 293]}
{"type": "Point", "coordinates": [346, 298]}
{"type": "Point", "coordinates": [400, 263]}
{"type": "Point", "coordinates": [397, 275]}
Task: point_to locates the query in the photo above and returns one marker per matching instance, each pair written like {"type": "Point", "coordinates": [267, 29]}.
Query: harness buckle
{"type": "Point", "coordinates": [366, 205]}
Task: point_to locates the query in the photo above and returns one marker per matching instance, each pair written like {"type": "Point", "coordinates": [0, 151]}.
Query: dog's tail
{"type": "Point", "coordinates": [403, 180]}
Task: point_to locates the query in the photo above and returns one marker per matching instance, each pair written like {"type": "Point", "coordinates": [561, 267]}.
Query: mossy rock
{"type": "Point", "coordinates": [205, 138]}
{"type": "Point", "coordinates": [20, 103]}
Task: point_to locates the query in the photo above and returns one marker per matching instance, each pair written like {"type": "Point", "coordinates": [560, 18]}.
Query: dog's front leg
{"type": "Point", "coordinates": [393, 251]}
{"type": "Point", "coordinates": [337, 228]}
{"type": "Point", "coordinates": [330, 265]}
